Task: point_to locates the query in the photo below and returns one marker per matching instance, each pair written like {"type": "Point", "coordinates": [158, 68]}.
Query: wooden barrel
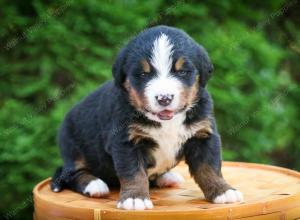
{"type": "Point", "coordinates": [270, 193]}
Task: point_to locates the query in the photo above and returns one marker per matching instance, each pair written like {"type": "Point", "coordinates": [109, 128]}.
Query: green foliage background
{"type": "Point", "coordinates": [53, 53]}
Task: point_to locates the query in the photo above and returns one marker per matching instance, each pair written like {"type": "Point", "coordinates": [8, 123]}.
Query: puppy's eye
{"type": "Point", "coordinates": [182, 72]}
{"type": "Point", "coordinates": [145, 74]}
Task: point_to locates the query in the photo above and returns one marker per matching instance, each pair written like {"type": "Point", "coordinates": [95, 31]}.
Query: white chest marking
{"type": "Point", "coordinates": [170, 137]}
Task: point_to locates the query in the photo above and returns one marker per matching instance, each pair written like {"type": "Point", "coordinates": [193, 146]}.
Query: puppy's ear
{"type": "Point", "coordinates": [203, 64]}
{"type": "Point", "coordinates": [118, 68]}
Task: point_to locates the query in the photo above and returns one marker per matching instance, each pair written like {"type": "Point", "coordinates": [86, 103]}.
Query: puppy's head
{"type": "Point", "coordinates": [162, 70]}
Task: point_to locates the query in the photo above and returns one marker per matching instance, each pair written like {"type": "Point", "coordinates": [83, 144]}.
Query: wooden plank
{"type": "Point", "coordinates": [272, 216]}
{"type": "Point", "coordinates": [293, 213]}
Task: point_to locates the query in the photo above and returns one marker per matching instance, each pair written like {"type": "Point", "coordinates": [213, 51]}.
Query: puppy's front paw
{"type": "Point", "coordinates": [169, 179]}
{"type": "Point", "coordinates": [135, 204]}
{"type": "Point", "coordinates": [96, 188]}
{"type": "Point", "coordinates": [230, 196]}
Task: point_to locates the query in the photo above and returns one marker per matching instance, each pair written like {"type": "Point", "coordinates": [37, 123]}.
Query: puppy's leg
{"type": "Point", "coordinates": [134, 194]}
{"type": "Point", "coordinates": [131, 170]}
{"type": "Point", "coordinates": [85, 183]}
{"type": "Point", "coordinates": [169, 179]}
{"type": "Point", "coordinates": [203, 158]}
{"type": "Point", "coordinates": [77, 173]}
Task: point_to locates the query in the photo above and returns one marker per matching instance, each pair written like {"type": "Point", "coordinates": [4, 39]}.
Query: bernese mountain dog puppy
{"type": "Point", "coordinates": [134, 129]}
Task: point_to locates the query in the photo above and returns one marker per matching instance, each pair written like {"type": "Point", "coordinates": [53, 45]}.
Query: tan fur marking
{"type": "Point", "coordinates": [136, 187]}
{"type": "Point", "coordinates": [135, 99]}
{"type": "Point", "coordinates": [211, 182]}
{"type": "Point", "coordinates": [179, 63]}
{"type": "Point", "coordinates": [136, 133]}
{"type": "Point", "coordinates": [80, 163]}
{"type": "Point", "coordinates": [145, 65]}
{"type": "Point", "coordinates": [193, 92]}
{"type": "Point", "coordinates": [85, 178]}
{"type": "Point", "coordinates": [189, 94]}
{"type": "Point", "coordinates": [204, 128]}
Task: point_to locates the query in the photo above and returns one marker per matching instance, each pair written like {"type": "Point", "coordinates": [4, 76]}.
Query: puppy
{"type": "Point", "coordinates": [133, 130]}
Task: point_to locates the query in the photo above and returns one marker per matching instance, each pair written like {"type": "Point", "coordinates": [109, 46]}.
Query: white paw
{"type": "Point", "coordinates": [135, 204]}
{"type": "Point", "coordinates": [230, 196]}
{"type": "Point", "coordinates": [55, 190]}
{"type": "Point", "coordinates": [96, 188]}
{"type": "Point", "coordinates": [169, 179]}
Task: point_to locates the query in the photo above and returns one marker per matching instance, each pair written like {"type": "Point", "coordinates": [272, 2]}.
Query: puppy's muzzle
{"type": "Point", "coordinates": [164, 100]}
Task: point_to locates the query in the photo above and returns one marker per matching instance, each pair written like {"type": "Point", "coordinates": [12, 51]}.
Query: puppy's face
{"type": "Point", "coordinates": [161, 76]}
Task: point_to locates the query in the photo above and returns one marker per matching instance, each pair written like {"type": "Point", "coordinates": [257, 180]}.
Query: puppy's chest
{"type": "Point", "coordinates": [169, 139]}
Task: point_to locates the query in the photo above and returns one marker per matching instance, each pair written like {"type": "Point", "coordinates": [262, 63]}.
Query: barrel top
{"type": "Point", "coordinates": [266, 189]}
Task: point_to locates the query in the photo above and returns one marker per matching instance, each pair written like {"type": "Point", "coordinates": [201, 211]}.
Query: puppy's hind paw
{"type": "Point", "coordinates": [230, 196]}
{"type": "Point", "coordinates": [169, 179]}
{"type": "Point", "coordinates": [135, 204]}
{"type": "Point", "coordinates": [96, 188]}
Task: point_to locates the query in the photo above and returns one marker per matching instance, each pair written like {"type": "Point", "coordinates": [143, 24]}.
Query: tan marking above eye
{"type": "Point", "coordinates": [179, 63]}
{"type": "Point", "coordinates": [145, 65]}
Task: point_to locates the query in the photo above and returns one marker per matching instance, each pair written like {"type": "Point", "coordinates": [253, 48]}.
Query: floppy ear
{"type": "Point", "coordinates": [203, 64]}
{"type": "Point", "coordinates": [118, 70]}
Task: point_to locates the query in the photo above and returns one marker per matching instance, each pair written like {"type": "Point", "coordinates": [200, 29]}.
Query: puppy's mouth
{"type": "Point", "coordinates": [166, 114]}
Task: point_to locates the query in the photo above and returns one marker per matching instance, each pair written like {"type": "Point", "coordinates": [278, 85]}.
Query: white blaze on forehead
{"type": "Point", "coordinates": [163, 83]}
{"type": "Point", "coordinates": [162, 54]}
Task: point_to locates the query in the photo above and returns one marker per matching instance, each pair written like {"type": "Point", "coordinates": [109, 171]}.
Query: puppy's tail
{"type": "Point", "coordinates": [57, 182]}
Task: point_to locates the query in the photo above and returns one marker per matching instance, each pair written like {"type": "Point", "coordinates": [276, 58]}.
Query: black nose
{"type": "Point", "coordinates": [164, 100]}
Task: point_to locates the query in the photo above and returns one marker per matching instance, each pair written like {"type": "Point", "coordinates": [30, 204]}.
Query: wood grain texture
{"type": "Point", "coordinates": [270, 193]}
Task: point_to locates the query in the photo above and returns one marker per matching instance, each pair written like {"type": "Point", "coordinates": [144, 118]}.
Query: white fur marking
{"type": "Point", "coordinates": [96, 188]}
{"type": "Point", "coordinates": [128, 204]}
{"type": "Point", "coordinates": [169, 137]}
{"type": "Point", "coordinates": [119, 205]}
{"type": "Point", "coordinates": [139, 204]}
{"type": "Point", "coordinates": [135, 204]}
{"type": "Point", "coordinates": [56, 190]}
{"type": "Point", "coordinates": [230, 196]}
{"type": "Point", "coordinates": [164, 83]}
{"type": "Point", "coordinates": [169, 179]}
{"type": "Point", "coordinates": [163, 86]}
{"type": "Point", "coordinates": [148, 203]}
{"type": "Point", "coordinates": [162, 55]}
